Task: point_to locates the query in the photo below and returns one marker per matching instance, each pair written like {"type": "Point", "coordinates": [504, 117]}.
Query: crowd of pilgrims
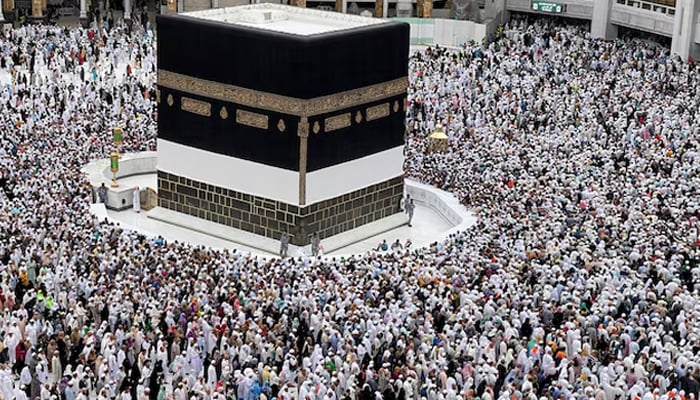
{"type": "Point", "coordinates": [578, 281]}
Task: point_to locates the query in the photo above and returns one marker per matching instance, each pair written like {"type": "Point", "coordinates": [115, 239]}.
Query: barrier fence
{"type": "Point", "coordinates": [446, 32]}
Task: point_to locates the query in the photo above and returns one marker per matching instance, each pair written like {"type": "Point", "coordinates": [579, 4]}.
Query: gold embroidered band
{"type": "Point", "coordinates": [378, 111]}
{"type": "Point", "coordinates": [249, 118]}
{"type": "Point", "coordinates": [196, 106]}
{"type": "Point", "coordinates": [282, 104]}
{"type": "Point", "coordinates": [337, 122]}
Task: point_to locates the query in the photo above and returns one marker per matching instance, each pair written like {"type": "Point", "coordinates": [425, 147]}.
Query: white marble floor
{"type": "Point", "coordinates": [142, 181]}
{"type": "Point", "coordinates": [427, 227]}
{"type": "Point", "coordinates": [130, 219]}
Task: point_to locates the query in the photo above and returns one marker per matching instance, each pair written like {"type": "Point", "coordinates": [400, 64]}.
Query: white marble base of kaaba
{"type": "Point", "coordinates": [272, 246]}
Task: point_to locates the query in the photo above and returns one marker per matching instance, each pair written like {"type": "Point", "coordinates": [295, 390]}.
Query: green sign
{"type": "Point", "coordinates": [544, 6]}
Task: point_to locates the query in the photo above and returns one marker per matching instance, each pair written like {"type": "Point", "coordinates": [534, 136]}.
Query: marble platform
{"type": "Point", "coordinates": [428, 226]}
{"type": "Point", "coordinates": [437, 214]}
{"type": "Point", "coordinates": [442, 203]}
{"type": "Point", "coordinates": [271, 246]}
{"type": "Point", "coordinates": [130, 164]}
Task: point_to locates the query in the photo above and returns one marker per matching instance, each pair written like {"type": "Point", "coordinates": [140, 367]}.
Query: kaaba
{"type": "Point", "coordinates": [276, 119]}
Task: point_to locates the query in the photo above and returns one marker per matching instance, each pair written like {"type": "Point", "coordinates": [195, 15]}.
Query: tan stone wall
{"type": "Point", "coordinates": [149, 199]}
{"type": "Point", "coordinates": [196, 5]}
{"type": "Point", "coordinates": [37, 9]}
{"type": "Point", "coordinates": [378, 8]}
{"type": "Point", "coordinates": [232, 3]}
{"type": "Point", "coordinates": [427, 9]}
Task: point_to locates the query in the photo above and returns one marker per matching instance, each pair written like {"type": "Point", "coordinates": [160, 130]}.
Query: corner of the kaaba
{"type": "Point", "coordinates": [349, 210]}
{"type": "Point", "coordinates": [230, 54]}
{"type": "Point", "coordinates": [356, 58]}
{"type": "Point", "coordinates": [302, 67]}
{"type": "Point", "coordinates": [312, 106]}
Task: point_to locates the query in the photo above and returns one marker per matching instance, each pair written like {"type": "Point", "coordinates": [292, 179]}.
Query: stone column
{"type": "Point", "coordinates": [385, 9]}
{"type": "Point", "coordinates": [9, 8]}
{"type": "Point", "coordinates": [378, 7]}
{"type": "Point", "coordinates": [684, 29]}
{"type": "Point", "coordinates": [303, 133]}
{"type": "Point", "coordinates": [427, 9]}
{"type": "Point", "coordinates": [404, 8]}
{"type": "Point", "coordinates": [214, 3]}
{"type": "Point", "coordinates": [338, 5]}
{"type": "Point", "coordinates": [299, 3]}
{"type": "Point", "coordinates": [84, 20]}
{"type": "Point", "coordinates": [172, 6]}
{"type": "Point", "coordinates": [300, 236]}
{"type": "Point", "coordinates": [419, 8]}
{"type": "Point", "coordinates": [601, 27]}
{"type": "Point", "coordinates": [345, 7]}
{"type": "Point", "coordinates": [36, 9]}
{"type": "Point", "coordinates": [127, 12]}
{"type": "Point", "coordinates": [496, 9]}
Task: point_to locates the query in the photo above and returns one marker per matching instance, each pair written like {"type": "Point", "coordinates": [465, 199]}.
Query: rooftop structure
{"type": "Point", "coordinates": [286, 19]}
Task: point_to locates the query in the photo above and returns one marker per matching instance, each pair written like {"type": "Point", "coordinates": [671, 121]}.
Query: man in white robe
{"type": "Point", "coordinates": [137, 199]}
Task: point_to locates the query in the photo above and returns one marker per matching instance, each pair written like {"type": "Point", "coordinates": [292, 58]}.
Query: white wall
{"type": "Point", "coordinates": [645, 20]}
{"type": "Point", "coordinates": [232, 173]}
{"type": "Point", "coordinates": [347, 177]}
{"type": "Point", "coordinates": [454, 33]}
{"type": "Point", "coordinates": [445, 32]}
{"type": "Point", "coordinates": [683, 38]}
{"type": "Point", "coordinates": [443, 203]}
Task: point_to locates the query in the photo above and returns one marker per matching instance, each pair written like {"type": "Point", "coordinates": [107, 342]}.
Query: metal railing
{"type": "Point", "coordinates": [660, 6]}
